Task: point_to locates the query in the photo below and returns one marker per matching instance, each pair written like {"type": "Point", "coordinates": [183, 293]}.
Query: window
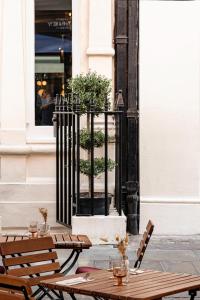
{"type": "Point", "coordinates": [53, 55]}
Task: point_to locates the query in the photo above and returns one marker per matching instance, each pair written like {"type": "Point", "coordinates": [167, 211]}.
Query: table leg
{"type": "Point", "coordinates": [72, 259]}
{"type": "Point", "coordinates": [192, 294]}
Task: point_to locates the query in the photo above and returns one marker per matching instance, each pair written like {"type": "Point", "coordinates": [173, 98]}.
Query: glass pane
{"type": "Point", "coordinates": [53, 55]}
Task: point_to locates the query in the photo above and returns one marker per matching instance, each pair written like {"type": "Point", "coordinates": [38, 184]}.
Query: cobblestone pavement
{"type": "Point", "coordinates": [164, 253]}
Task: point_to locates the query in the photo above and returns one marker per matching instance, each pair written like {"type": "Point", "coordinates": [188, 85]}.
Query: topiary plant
{"type": "Point", "coordinates": [90, 87]}
{"type": "Point", "coordinates": [93, 93]}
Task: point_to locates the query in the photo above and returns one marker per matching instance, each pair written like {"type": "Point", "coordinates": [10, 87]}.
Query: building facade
{"type": "Point", "coordinates": [27, 150]}
{"type": "Point", "coordinates": [169, 107]}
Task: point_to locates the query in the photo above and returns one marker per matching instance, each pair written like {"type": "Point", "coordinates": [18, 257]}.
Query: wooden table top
{"type": "Point", "coordinates": [61, 240]}
{"type": "Point", "coordinates": [147, 285]}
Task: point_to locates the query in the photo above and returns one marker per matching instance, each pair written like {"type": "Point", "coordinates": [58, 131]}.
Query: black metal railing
{"type": "Point", "coordinates": [68, 123]}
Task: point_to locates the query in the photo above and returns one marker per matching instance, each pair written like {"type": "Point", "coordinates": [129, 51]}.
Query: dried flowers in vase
{"type": "Point", "coordinates": [44, 228]}
{"type": "Point", "coordinates": [44, 213]}
{"type": "Point", "coordinates": [122, 245]}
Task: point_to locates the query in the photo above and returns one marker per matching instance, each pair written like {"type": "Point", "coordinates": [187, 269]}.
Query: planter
{"type": "Point", "coordinates": [85, 204]}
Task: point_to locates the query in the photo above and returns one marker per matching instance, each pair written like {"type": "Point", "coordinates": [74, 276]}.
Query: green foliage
{"type": "Point", "coordinates": [99, 166]}
{"type": "Point", "coordinates": [85, 139]}
{"type": "Point", "coordinates": [90, 88]}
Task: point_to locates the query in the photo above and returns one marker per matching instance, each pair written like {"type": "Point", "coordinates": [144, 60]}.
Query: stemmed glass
{"type": "Point", "coordinates": [33, 228]}
{"type": "Point", "coordinates": [119, 271]}
{"type": "Point", "coordinates": [110, 262]}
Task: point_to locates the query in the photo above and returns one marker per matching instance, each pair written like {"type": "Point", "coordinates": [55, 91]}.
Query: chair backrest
{"type": "Point", "coordinates": [143, 243]}
{"type": "Point", "coordinates": [13, 288]}
{"type": "Point", "coordinates": [30, 257]}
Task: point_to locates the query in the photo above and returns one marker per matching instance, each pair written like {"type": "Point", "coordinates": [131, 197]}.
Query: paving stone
{"type": "Point", "coordinates": [180, 267]}
{"type": "Point", "coordinates": [172, 255]}
{"type": "Point", "coordinates": [152, 265]}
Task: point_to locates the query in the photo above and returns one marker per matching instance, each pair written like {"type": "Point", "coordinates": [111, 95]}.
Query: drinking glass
{"type": "Point", "coordinates": [43, 229]}
{"type": "Point", "coordinates": [32, 228]}
{"type": "Point", "coordinates": [112, 258]}
{"type": "Point", "coordinates": [119, 271]}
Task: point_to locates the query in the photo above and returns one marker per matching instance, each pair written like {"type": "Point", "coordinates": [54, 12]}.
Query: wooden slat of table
{"type": "Point", "coordinates": [169, 290]}
{"type": "Point", "coordinates": [61, 240]}
{"type": "Point", "coordinates": [148, 285]}
{"type": "Point", "coordinates": [85, 239]}
{"type": "Point", "coordinates": [149, 280]}
{"type": "Point", "coordinates": [154, 286]}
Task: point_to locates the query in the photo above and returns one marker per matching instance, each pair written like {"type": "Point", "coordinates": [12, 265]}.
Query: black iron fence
{"type": "Point", "coordinates": [77, 139]}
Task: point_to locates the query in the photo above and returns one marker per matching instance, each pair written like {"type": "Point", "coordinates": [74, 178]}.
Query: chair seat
{"type": "Point", "coordinates": [2, 270]}
{"type": "Point", "coordinates": [85, 269]}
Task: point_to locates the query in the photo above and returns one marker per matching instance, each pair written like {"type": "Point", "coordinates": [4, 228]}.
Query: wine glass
{"type": "Point", "coordinates": [119, 271]}
{"type": "Point", "coordinates": [110, 263]}
{"type": "Point", "coordinates": [32, 228]}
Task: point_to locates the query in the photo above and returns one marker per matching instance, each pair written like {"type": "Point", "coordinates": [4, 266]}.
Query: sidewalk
{"type": "Point", "coordinates": [164, 253]}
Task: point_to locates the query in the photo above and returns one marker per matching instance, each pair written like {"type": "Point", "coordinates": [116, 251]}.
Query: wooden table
{"type": "Point", "coordinates": [148, 285]}
{"type": "Point", "coordinates": [75, 243]}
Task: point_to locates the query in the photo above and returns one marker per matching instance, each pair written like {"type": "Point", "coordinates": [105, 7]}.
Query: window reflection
{"type": "Point", "coordinates": [53, 57]}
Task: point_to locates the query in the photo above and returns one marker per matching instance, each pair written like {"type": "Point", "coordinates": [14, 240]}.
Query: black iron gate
{"type": "Point", "coordinates": [67, 126]}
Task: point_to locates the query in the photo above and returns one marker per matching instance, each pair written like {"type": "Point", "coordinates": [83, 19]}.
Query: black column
{"type": "Point", "coordinates": [126, 79]}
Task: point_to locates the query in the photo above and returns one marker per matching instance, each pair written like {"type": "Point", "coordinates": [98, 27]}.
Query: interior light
{"type": "Point", "coordinates": [44, 82]}
{"type": "Point", "coordinates": [39, 83]}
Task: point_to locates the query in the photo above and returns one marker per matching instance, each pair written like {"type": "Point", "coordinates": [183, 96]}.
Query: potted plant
{"type": "Point", "coordinates": [92, 90]}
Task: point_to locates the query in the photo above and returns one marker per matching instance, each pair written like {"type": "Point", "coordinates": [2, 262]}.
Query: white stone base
{"type": "Point", "coordinates": [100, 227]}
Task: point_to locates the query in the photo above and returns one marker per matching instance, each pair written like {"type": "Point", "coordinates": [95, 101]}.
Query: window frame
{"type": "Point", "coordinates": [41, 134]}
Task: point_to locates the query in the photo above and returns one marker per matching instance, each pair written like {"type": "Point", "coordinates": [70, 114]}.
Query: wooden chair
{"type": "Point", "coordinates": [144, 243]}
{"type": "Point", "coordinates": [13, 288]}
{"type": "Point", "coordinates": [140, 252]}
{"type": "Point", "coordinates": [34, 259]}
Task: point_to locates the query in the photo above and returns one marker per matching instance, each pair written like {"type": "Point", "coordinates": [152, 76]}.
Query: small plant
{"type": "Point", "coordinates": [91, 89]}
{"type": "Point", "coordinates": [93, 93]}
{"type": "Point", "coordinates": [99, 166]}
{"type": "Point", "coordinates": [85, 139]}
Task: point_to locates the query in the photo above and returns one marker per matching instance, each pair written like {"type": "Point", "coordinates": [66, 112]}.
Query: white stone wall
{"type": "Point", "coordinates": [27, 153]}
{"type": "Point", "coordinates": [169, 115]}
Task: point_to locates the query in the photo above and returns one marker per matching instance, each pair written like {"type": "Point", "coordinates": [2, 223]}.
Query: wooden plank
{"type": "Point", "coordinates": [24, 246]}
{"type": "Point", "coordinates": [74, 238]}
{"type": "Point", "coordinates": [54, 238]}
{"type": "Point", "coordinates": [3, 239]}
{"type": "Point", "coordinates": [150, 227]}
{"type": "Point", "coordinates": [10, 239]}
{"type": "Point", "coordinates": [152, 285]}
{"type": "Point", "coordinates": [18, 238]}
{"type": "Point", "coordinates": [86, 242]}
{"type": "Point", "coordinates": [194, 284]}
{"type": "Point", "coordinates": [7, 295]}
{"type": "Point", "coordinates": [37, 280]}
{"type": "Point", "coordinates": [66, 237]}
{"type": "Point", "coordinates": [59, 237]}
{"type": "Point", "coordinates": [13, 283]}
{"type": "Point", "coordinates": [34, 269]}
{"type": "Point", "coordinates": [13, 261]}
